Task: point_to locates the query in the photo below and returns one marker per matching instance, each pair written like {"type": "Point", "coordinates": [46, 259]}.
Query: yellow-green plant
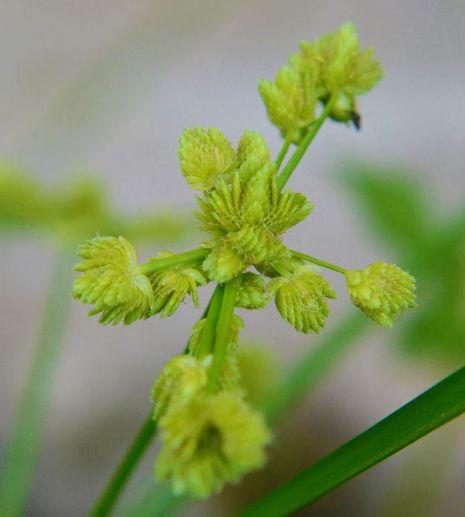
{"type": "Point", "coordinates": [210, 435]}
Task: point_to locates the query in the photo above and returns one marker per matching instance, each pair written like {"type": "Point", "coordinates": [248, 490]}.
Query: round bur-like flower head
{"type": "Point", "coordinates": [211, 441]}
{"type": "Point", "coordinates": [301, 297]}
{"type": "Point", "coordinates": [181, 378]}
{"type": "Point", "coordinates": [112, 281]}
{"type": "Point", "coordinates": [170, 286]}
{"type": "Point", "coordinates": [381, 291]}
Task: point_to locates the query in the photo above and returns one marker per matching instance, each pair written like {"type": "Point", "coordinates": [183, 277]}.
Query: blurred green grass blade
{"type": "Point", "coordinates": [393, 203]}
{"type": "Point", "coordinates": [314, 365]}
{"type": "Point", "coordinates": [432, 409]}
{"type": "Point", "coordinates": [22, 448]}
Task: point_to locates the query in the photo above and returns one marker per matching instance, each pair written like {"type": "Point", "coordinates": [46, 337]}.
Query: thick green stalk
{"type": "Point", "coordinates": [120, 477]}
{"type": "Point", "coordinates": [22, 448]}
{"type": "Point", "coordinates": [319, 262]}
{"type": "Point", "coordinates": [432, 409]}
{"type": "Point", "coordinates": [223, 332]}
{"type": "Point", "coordinates": [303, 146]}
{"type": "Point", "coordinates": [208, 334]}
{"type": "Point", "coordinates": [187, 257]}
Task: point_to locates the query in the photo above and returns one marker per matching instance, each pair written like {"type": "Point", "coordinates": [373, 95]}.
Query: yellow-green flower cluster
{"type": "Point", "coordinates": [244, 210]}
{"type": "Point", "coordinates": [300, 298]}
{"type": "Point", "coordinates": [382, 291]}
{"type": "Point", "coordinates": [332, 68]}
{"type": "Point", "coordinates": [112, 281]}
{"type": "Point", "coordinates": [210, 441]}
{"type": "Point", "coordinates": [170, 286]}
{"type": "Point", "coordinates": [122, 290]}
{"type": "Point", "coordinates": [208, 438]}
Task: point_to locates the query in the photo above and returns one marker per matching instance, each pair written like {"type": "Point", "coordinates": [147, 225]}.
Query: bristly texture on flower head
{"type": "Point", "coordinates": [332, 66]}
{"type": "Point", "coordinates": [251, 292]}
{"type": "Point", "coordinates": [246, 213]}
{"type": "Point", "coordinates": [170, 286]}
{"type": "Point", "coordinates": [382, 291]}
{"type": "Point", "coordinates": [182, 377]}
{"type": "Point", "coordinates": [301, 297]}
{"type": "Point", "coordinates": [112, 281]}
{"type": "Point", "coordinates": [203, 155]}
{"type": "Point", "coordinates": [211, 441]}
{"type": "Point", "coordinates": [291, 98]}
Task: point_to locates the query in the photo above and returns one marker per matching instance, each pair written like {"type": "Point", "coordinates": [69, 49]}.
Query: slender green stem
{"type": "Point", "coordinates": [188, 257]}
{"type": "Point", "coordinates": [282, 152]}
{"type": "Point", "coordinates": [145, 435]}
{"type": "Point", "coordinates": [120, 477]}
{"type": "Point", "coordinates": [23, 446]}
{"type": "Point", "coordinates": [223, 331]}
{"type": "Point", "coordinates": [322, 263]}
{"type": "Point", "coordinates": [432, 409]}
{"type": "Point", "coordinates": [303, 146]}
{"type": "Point", "coordinates": [208, 333]}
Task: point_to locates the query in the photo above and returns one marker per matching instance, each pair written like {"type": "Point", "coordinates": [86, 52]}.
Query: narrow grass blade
{"type": "Point", "coordinates": [23, 446]}
{"type": "Point", "coordinates": [434, 408]}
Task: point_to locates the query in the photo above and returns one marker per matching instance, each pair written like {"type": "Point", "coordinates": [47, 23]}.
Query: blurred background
{"type": "Point", "coordinates": [106, 87]}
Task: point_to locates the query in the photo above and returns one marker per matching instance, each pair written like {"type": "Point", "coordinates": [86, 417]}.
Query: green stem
{"type": "Point", "coordinates": [23, 446]}
{"type": "Point", "coordinates": [319, 262]}
{"type": "Point", "coordinates": [282, 152]}
{"type": "Point", "coordinates": [188, 257]}
{"type": "Point", "coordinates": [120, 477]}
{"type": "Point", "coordinates": [208, 333]}
{"type": "Point", "coordinates": [432, 409]}
{"type": "Point", "coordinates": [304, 144]}
{"type": "Point", "coordinates": [146, 434]}
{"type": "Point", "coordinates": [223, 331]}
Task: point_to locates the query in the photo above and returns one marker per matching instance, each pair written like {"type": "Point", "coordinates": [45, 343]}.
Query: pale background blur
{"type": "Point", "coordinates": [108, 86]}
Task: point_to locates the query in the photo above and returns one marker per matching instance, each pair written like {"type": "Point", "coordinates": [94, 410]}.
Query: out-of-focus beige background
{"type": "Point", "coordinates": [108, 86]}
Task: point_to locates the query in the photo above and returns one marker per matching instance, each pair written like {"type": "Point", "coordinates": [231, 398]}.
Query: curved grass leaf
{"type": "Point", "coordinates": [430, 410]}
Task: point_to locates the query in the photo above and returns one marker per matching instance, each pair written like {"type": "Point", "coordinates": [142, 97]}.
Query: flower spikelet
{"type": "Point", "coordinates": [181, 378]}
{"type": "Point", "coordinates": [112, 281]}
{"type": "Point", "coordinates": [382, 291]}
{"type": "Point", "coordinates": [170, 286]}
{"type": "Point", "coordinates": [247, 219]}
{"type": "Point", "coordinates": [301, 298]}
{"type": "Point", "coordinates": [211, 441]}
{"type": "Point", "coordinates": [251, 292]}
{"type": "Point", "coordinates": [204, 154]}
{"type": "Point", "coordinates": [290, 99]}
{"type": "Point", "coordinates": [252, 153]}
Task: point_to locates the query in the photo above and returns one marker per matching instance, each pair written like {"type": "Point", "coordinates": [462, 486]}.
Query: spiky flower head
{"type": "Point", "coordinates": [345, 71]}
{"type": "Point", "coordinates": [172, 285]}
{"type": "Point", "coordinates": [251, 292]}
{"type": "Point", "coordinates": [182, 377]}
{"type": "Point", "coordinates": [382, 291]}
{"type": "Point", "coordinates": [112, 282]}
{"type": "Point", "coordinates": [246, 218]}
{"type": "Point", "coordinates": [204, 154]}
{"type": "Point", "coordinates": [291, 99]}
{"type": "Point", "coordinates": [300, 298]}
{"type": "Point", "coordinates": [211, 441]}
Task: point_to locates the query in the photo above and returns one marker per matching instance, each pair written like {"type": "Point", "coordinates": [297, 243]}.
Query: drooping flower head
{"type": "Point", "coordinates": [210, 441]}
{"type": "Point", "coordinates": [300, 298]}
{"type": "Point", "coordinates": [382, 291]}
{"type": "Point", "coordinates": [112, 281]}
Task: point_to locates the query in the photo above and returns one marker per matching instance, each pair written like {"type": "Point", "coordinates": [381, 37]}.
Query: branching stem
{"type": "Point", "coordinates": [322, 263]}
{"type": "Point", "coordinates": [282, 152]}
{"type": "Point", "coordinates": [188, 257]}
{"type": "Point", "coordinates": [304, 144]}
